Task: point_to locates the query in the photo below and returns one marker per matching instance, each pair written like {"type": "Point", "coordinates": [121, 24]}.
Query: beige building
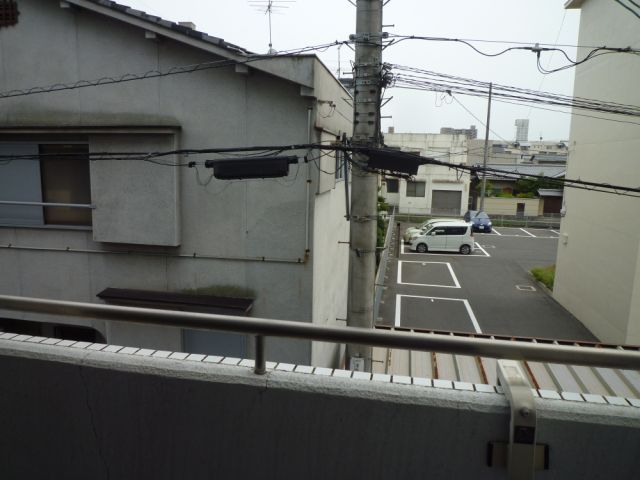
{"type": "Point", "coordinates": [435, 190]}
{"type": "Point", "coordinates": [598, 264]}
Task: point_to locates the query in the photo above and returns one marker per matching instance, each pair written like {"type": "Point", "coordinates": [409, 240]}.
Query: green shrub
{"type": "Point", "coordinates": [546, 275]}
{"type": "Point", "coordinates": [504, 195]}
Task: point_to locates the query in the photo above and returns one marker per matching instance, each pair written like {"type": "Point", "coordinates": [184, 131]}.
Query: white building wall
{"type": "Point", "coordinates": [597, 272]}
{"type": "Point", "coordinates": [330, 268]}
{"type": "Point", "coordinates": [442, 147]}
{"type": "Point", "coordinates": [250, 234]}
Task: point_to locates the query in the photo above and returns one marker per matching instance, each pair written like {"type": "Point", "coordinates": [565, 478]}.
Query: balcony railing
{"type": "Point", "coordinates": [614, 357]}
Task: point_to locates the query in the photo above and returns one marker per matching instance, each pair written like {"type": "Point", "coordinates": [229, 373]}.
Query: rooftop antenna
{"type": "Point", "coordinates": [270, 7]}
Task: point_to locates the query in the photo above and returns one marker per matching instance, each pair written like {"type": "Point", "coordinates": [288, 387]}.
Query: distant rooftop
{"type": "Point", "coordinates": [554, 171]}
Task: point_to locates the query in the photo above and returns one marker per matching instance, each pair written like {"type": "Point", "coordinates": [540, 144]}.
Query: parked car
{"type": "Point", "coordinates": [446, 236]}
{"type": "Point", "coordinates": [480, 220]}
{"type": "Point", "coordinates": [413, 232]}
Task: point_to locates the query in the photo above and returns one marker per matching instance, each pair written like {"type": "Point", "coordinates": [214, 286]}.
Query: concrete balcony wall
{"type": "Point", "coordinates": [69, 411]}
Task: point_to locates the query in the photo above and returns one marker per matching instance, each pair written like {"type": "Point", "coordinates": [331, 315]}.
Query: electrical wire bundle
{"type": "Point", "coordinates": [418, 79]}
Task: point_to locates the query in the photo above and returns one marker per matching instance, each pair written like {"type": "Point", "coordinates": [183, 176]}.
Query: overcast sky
{"type": "Point", "coordinates": [314, 22]}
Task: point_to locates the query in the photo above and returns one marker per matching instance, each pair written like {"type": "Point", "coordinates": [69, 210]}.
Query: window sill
{"type": "Point", "coordinates": [49, 227]}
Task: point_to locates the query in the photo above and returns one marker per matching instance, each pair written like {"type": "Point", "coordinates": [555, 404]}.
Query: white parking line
{"type": "Point", "coordinates": [496, 232]}
{"type": "Point", "coordinates": [467, 306]}
{"type": "Point", "coordinates": [557, 233]}
{"type": "Point", "coordinates": [456, 284]}
{"type": "Point", "coordinates": [447, 254]}
{"type": "Point", "coordinates": [484, 251]}
{"type": "Point", "coordinates": [473, 318]}
{"type": "Point", "coordinates": [528, 233]}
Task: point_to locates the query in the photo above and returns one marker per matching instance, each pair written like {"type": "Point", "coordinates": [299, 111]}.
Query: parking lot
{"type": "Point", "coordinates": [489, 291]}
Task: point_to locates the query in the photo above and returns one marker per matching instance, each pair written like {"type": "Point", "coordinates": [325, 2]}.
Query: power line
{"type": "Point", "coordinates": [570, 183]}
{"type": "Point", "coordinates": [471, 113]}
{"type": "Point", "coordinates": [637, 14]}
{"type": "Point", "coordinates": [538, 49]}
{"type": "Point", "coordinates": [129, 77]}
{"type": "Point", "coordinates": [417, 79]}
{"type": "Point", "coordinates": [505, 42]}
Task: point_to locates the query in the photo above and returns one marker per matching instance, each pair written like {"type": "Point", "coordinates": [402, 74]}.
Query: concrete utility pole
{"type": "Point", "coordinates": [486, 150]}
{"type": "Point", "coordinates": [364, 198]}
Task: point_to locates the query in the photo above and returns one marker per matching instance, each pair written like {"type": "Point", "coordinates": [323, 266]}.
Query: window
{"type": "Point", "coordinates": [456, 230]}
{"type": "Point", "coordinates": [392, 185]}
{"type": "Point", "coordinates": [415, 189]}
{"type": "Point", "coordinates": [339, 165]}
{"type": "Point", "coordinates": [53, 174]}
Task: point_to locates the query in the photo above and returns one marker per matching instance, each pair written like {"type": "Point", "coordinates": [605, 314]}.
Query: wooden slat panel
{"type": "Point", "coordinates": [446, 366]}
{"type": "Point", "coordinates": [542, 377]}
{"type": "Point", "coordinates": [633, 380]}
{"type": "Point", "coordinates": [591, 382]}
{"type": "Point", "coordinates": [399, 362]}
{"type": "Point", "coordinates": [379, 364]}
{"type": "Point", "coordinates": [421, 365]}
{"type": "Point", "coordinates": [564, 378]}
{"type": "Point", "coordinates": [490, 369]}
{"type": "Point", "coordinates": [614, 382]}
{"type": "Point", "coordinates": [468, 369]}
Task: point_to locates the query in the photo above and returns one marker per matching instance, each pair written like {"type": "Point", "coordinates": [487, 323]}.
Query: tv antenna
{"type": "Point", "coordinates": [270, 7]}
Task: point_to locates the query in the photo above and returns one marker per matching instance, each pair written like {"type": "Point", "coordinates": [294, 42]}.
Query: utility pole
{"type": "Point", "coordinates": [364, 197]}
{"type": "Point", "coordinates": [486, 150]}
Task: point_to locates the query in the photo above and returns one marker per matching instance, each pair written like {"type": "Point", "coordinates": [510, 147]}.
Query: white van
{"type": "Point", "coordinates": [446, 236]}
{"type": "Point", "coordinates": [413, 232]}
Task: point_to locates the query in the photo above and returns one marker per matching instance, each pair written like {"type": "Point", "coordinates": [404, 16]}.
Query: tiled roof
{"type": "Point", "coordinates": [554, 171]}
{"type": "Point", "coordinates": [189, 32]}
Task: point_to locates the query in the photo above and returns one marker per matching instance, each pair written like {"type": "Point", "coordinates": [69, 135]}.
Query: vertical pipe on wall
{"type": "Point", "coordinates": [308, 187]}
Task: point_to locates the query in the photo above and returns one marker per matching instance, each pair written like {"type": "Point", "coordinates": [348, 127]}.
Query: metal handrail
{"type": "Point", "coordinates": [382, 267]}
{"type": "Point", "coordinates": [592, 356]}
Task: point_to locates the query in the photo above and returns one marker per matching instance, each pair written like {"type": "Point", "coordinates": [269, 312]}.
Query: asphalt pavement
{"type": "Point", "coordinates": [490, 291]}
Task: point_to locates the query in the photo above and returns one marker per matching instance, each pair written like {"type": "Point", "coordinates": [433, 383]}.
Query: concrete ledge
{"type": "Point", "coordinates": [85, 411]}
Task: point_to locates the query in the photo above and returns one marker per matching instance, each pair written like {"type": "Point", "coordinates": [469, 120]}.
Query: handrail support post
{"type": "Point", "coordinates": [260, 367]}
{"type": "Point", "coordinates": [521, 454]}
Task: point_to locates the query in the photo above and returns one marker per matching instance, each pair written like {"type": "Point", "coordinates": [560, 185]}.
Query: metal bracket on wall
{"type": "Point", "coordinates": [521, 455]}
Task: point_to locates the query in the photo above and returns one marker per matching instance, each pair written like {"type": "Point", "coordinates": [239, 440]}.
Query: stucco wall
{"type": "Point", "coordinates": [230, 222]}
{"type": "Point", "coordinates": [330, 268]}
{"type": "Point", "coordinates": [597, 273]}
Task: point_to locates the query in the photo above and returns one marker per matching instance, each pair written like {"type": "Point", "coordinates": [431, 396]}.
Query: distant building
{"type": "Point", "coordinates": [470, 132]}
{"type": "Point", "coordinates": [522, 130]}
{"type": "Point", "coordinates": [435, 190]}
{"type": "Point", "coordinates": [548, 152]}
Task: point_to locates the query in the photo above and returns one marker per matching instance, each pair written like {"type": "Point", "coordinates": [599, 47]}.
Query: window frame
{"type": "Point", "coordinates": [42, 204]}
{"type": "Point", "coordinates": [339, 165]}
{"type": "Point", "coordinates": [414, 185]}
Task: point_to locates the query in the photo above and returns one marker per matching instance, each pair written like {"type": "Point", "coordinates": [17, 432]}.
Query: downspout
{"type": "Point", "coordinates": [308, 188]}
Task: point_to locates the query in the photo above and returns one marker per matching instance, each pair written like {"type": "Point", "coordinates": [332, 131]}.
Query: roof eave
{"type": "Point", "coordinates": [571, 4]}
{"type": "Point", "coordinates": [222, 51]}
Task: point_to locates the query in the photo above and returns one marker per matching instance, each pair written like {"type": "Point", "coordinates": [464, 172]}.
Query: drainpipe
{"type": "Point", "coordinates": [308, 188]}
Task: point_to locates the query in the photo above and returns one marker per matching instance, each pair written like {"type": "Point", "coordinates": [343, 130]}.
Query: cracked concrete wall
{"type": "Point", "coordinates": [77, 414]}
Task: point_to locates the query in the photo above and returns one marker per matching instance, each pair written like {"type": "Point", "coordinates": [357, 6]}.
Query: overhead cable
{"type": "Point", "coordinates": [418, 79]}
{"type": "Point", "coordinates": [129, 77]}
